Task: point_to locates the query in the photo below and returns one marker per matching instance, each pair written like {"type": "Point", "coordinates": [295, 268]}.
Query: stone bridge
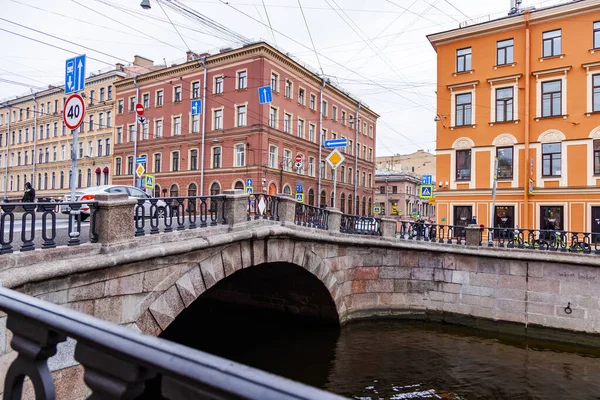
{"type": "Point", "coordinates": [146, 282]}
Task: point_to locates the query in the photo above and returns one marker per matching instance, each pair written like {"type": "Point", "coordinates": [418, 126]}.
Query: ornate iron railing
{"type": "Point", "coordinates": [265, 206]}
{"type": "Point", "coordinates": [118, 362]}
{"type": "Point", "coordinates": [36, 224]}
{"type": "Point", "coordinates": [429, 232]}
{"type": "Point", "coordinates": [311, 216]}
{"type": "Point", "coordinates": [358, 225]}
{"type": "Point", "coordinates": [167, 213]}
{"type": "Point", "coordinates": [541, 239]}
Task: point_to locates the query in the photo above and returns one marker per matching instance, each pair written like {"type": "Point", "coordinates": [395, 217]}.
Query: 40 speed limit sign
{"type": "Point", "coordinates": [74, 111]}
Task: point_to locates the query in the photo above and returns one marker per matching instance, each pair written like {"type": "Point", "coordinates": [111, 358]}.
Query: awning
{"type": "Point", "coordinates": [98, 170]}
{"type": "Point", "coordinates": [105, 170]}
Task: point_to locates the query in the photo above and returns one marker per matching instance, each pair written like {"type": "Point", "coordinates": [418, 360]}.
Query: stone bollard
{"type": "Point", "coordinates": [236, 207]}
{"type": "Point", "coordinates": [473, 235]}
{"type": "Point", "coordinates": [388, 228]}
{"type": "Point", "coordinates": [287, 209]}
{"type": "Point", "coordinates": [335, 219]}
{"type": "Point", "coordinates": [114, 218]}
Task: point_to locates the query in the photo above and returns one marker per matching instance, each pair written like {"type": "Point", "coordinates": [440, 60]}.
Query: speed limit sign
{"type": "Point", "coordinates": [74, 111]}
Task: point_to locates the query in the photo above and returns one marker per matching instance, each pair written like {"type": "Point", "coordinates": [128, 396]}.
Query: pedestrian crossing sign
{"type": "Point", "coordinates": [149, 181]}
{"type": "Point", "coordinates": [249, 189]}
{"type": "Point", "coordinates": [300, 197]}
{"type": "Point", "coordinates": [426, 191]}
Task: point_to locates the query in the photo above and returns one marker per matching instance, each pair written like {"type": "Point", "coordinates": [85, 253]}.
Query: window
{"type": "Point", "coordinates": [218, 85]}
{"type": "Point", "coordinates": [193, 160]}
{"type": "Point", "coordinates": [175, 161]}
{"type": "Point", "coordinates": [218, 119]}
{"type": "Point", "coordinates": [177, 94]}
{"type": "Point", "coordinates": [101, 94]}
{"type": "Point", "coordinates": [288, 89]}
{"type": "Point", "coordinates": [301, 93]}
{"type": "Point", "coordinates": [300, 128]}
{"type": "Point", "coordinates": [312, 101]}
{"type": "Point", "coordinates": [174, 190]}
{"type": "Point", "coordinates": [334, 113]}
{"type": "Point", "coordinates": [463, 165]}
{"type": "Point", "coordinates": [241, 116]}
{"type": "Point", "coordinates": [90, 151]}
{"type": "Point", "coordinates": [324, 108]}
{"type": "Point", "coordinates": [92, 95]}
{"type": "Point", "coordinates": [551, 154]}
{"type": "Point", "coordinates": [596, 34]}
{"type": "Point", "coordinates": [240, 150]}
{"type": "Point", "coordinates": [80, 149]}
{"type": "Point", "coordinates": [119, 135]}
{"type": "Point", "coordinates": [596, 92]}
{"type": "Point", "coordinates": [101, 121]}
{"type": "Point", "coordinates": [109, 93]}
{"type": "Point", "coordinates": [311, 166]}
{"type": "Point", "coordinates": [195, 123]}
{"type": "Point", "coordinates": [157, 162]}
{"type": "Point", "coordinates": [273, 117]}
{"type": "Point", "coordinates": [463, 59]}
{"type": "Point", "coordinates": [505, 162]}
{"type": "Point", "coordinates": [272, 156]}
{"type": "Point", "coordinates": [131, 104]}
{"type": "Point", "coordinates": [274, 81]}
{"type": "Point", "coordinates": [370, 154]}
{"type": "Point", "coordinates": [463, 109]}
{"type": "Point", "coordinates": [287, 160]}
{"type": "Point", "coordinates": [216, 157]}
{"type": "Point", "coordinates": [287, 123]}
{"type": "Point", "coordinates": [146, 100]}
{"type": "Point", "coordinates": [596, 157]}
{"type": "Point", "coordinates": [551, 43]}
{"type": "Point", "coordinates": [99, 149]}
{"type": "Point", "coordinates": [350, 147]}
{"type": "Point", "coordinates": [311, 132]}
{"type": "Point", "coordinates": [195, 90]}
{"type": "Point", "coordinates": [55, 153]}
{"type": "Point", "coordinates": [322, 169]}
{"type": "Point", "coordinates": [551, 98]}
{"type": "Point", "coordinates": [145, 126]}
{"type": "Point", "coordinates": [130, 165]}
{"type": "Point", "coordinates": [504, 104]}
{"type": "Point", "coordinates": [343, 117]}
{"type": "Point", "coordinates": [131, 133]}
{"type": "Point", "coordinates": [342, 175]}
{"type": "Point", "coordinates": [505, 52]}
{"type": "Point", "coordinates": [176, 126]}
{"type": "Point", "coordinates": [159, 98]}
{"type": "Point", "coordinates": [242, 80]}
{"type": "Point", "coordinates": [120, 106]}
{"type": "Point", "coordinates": [158, 129]}
{"type": "Point", "coordinates": [107, 147]}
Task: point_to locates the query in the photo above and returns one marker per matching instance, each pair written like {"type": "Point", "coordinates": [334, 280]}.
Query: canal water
{"type": "Point", "coordinates": [393, 359]}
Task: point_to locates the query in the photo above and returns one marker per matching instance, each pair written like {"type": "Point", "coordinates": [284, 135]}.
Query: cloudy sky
{"type": "Point", "coordinates": [375, 49]}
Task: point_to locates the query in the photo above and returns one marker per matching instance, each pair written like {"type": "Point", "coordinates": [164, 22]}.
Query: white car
{"type": "Point", "coordinates": [90, 194]}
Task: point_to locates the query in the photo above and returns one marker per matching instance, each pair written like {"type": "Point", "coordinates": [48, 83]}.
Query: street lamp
{"type": "Point", "coordinates": [145, 4]}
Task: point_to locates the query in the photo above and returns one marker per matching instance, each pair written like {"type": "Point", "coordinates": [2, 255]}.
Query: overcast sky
{"type": "Point", "coordinates": [375, 49]}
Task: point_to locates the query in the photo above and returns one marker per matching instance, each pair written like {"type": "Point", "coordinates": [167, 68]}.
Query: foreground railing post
{"type": "Point", "coordinates": [388, 228]}
{"type": "Point", "coordinates": [473, 235]}
{"type": "Point", "coordinates": [335, 219]}
{"type": "Point", "coordinates": [115, 219]}
{"type": "Point", "coordinates": [235, 207]}
{"type": "Point", "coordinates": [287, 209]}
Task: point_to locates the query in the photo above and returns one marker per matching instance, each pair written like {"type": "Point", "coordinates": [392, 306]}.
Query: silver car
{"type": "Point", "coordinates": [90, 194]}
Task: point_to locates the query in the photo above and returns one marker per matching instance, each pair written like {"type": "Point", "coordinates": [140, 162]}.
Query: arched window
{"type": "Point", "coordinates": [272, 188]}
{"type": "Point", "coordinates": [350, 205]}
{"type": "Point", "coordinates": [215, 189]}
{"type": "Point", "coordinates": [311, 197]}
{"type": "Point", "coordinates": [174, 191]}
{"type": "Point", "coordinates": [18, 183]}
{"type": "Point", "coordinates": [343, 203]}
{"type": "Point", "coordinates": [39, 185]}
{"type": "Point", "coordinates": [239, 185]}
{"type": "Point", "coordinates": [287, 189]}
{"type": "Point", "coordinates": [45, 180]}
{"type": "Point", "coordinates": [358, 206]}
{"type": "Point", "coordinates": [79, 178]}
{"type": "Point", "coordinates": [323, 202]}
{"type": "Point", "coordinates": [53, 181]}
{"type": "Point", "coordinates": [156, 190]}
{"type": "Point", "coordinates": [89, 177]}
{"type": "Point", "coordinates": [370, 207]}
{"type": "Point", "coordinates": [364, 206]}
{"type": "Point", "coordinates": [192, 189]}
{"type": "Point", "coordinates": [331, 200]}
{"type": "Point", "coordinates": [61, 184]}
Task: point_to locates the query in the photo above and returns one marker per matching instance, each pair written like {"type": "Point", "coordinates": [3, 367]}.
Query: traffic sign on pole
{"type": "Point", "coordinates": [196, 107]}
{"type": "Point", "coordinates": [298, 158]}
{"type": "Point", "coordinates": [74, 111]}
{"type": "Point", "coordinates": [335, 158]}
{"type": "Point", "coordinates": [426, 179]}
{"type": "Point", "coordinates": [426, 191]}
{"type": "Point", "coordinates": [140, 170]}
{"type": "Point", "coordinates": [139, 109]}
{"type": "Point", "coordinates": [149, 181]}
{"type": "Point", "coordinates": [140, 160]}
{"type": "Point", "coordinates": [333, 143]}
{"type": "Point", "coordinates": [300, 197]}
{"type": "Point", "coordinates": [75, 74]}
{"type": "Point", "coordinates": [248, 181]}
{"type": "Point", "coordinates": [265, 95]}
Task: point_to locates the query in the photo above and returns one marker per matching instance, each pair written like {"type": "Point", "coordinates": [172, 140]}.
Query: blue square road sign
{"type": "Point", "coordinates": [75, 74]}
{"type": "Point", "coordinates": [196, 107]}
{"type": "Point", "coordinates": [265, 95]}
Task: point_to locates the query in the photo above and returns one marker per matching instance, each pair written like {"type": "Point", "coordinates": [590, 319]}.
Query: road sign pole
{"type": "Point", "coordinates": [72, 216]}
{"type": "Point", "coordinates": [137, 96]}
{"type": "Point", "coordinates": [334, 187]}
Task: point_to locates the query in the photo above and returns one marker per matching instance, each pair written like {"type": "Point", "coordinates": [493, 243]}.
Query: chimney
{"type": "Point", "coordinates": [119, 66]}
{"type": "Point", "coordinates": [142, 61]}
{"type": "Point", "coordinates": [191, 56]}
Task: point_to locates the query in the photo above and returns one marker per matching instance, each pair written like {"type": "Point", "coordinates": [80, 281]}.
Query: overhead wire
{"type": "Point", "coordinates": [174, 27]}
{"type": "Point", "coordinates": [310, 36]}
{"type": "Point", "coordinates": [269, 20]}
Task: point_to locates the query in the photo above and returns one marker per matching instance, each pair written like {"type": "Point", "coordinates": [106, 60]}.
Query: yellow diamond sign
{"type": "Point", "coordinates": [140, 170]}
{"type": "Point", "coordinates": [335, 158]}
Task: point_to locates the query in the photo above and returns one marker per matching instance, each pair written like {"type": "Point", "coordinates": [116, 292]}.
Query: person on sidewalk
{"type": "Point", "coordinates": [29, 194]}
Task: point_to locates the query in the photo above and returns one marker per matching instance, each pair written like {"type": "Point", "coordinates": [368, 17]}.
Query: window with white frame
{"type": "Point", "coordinates": [272, 156]}
{"type": "Point", "coordinates": [131, 133]}
{"type": "Point", "coordinates": [504, 104]}
{"type": "Point", "coordinates": [551, 159]}
{"type": "Point", "coordinates": [159, 98]}
{"type": "Point", "coordinates": [301, 95]}
{"type": "Point", "coordinates": [175, 161]}
{"type": "Point", "coordinates": [273, 117]}
{"type": "Point", "coordinates": [216, 157]}
{"type": "Point", "coordinates": [158, 129]}
{"type": "Point", "coordinates": [463, 109]}
{"type": "Point", "coordinates": [343, 117]}
{"type": "Point", "coordinates": [312, 101]}
{"type": "Point", "coordinates": [242, 79]}
{"type": "Point", "coordinates": [596, 92]}
{"type": "Point", "coordinates": [287, 160]}
{"type": "Point", "coordinates": [311, 132]}
{"type": "Point", "coordinates": [119, 135]}
{"type": "Point", "coordinates": [287, 123]}
{"type": "Point", "coordinates": [176, 126]}
{"type": "Point", "coordinates": [463, 59]}
{"type": "Point", "coordinates": [196, 123]}
{"type": "Point", "coordinates": [463, 165]}
{"type": "Point", "coordinates": [195, 90]}
{"type": "Point", "coordinates": [334, 113]}
{"type": "Point", "coordinates": [274, 81]}
{"type": "Point", "coordinates": [218, 86]}
{"type": "Point", "coordinates": [505, 50]}
{"type": "Point", "coordinates": [145, 127]}
{"type": "Point", "coordinates": [324, 108]}
{"type": "Point", "coordinates": [311, 166]}
{"type": "Point", "coordinates": [288, 88]}
{"type": "Point", "coordinates": [300, 128]}
{"type": "Point", "coordinates": [241, 115]}
{"type": "Point", "coordinates": [552, 98]}
{"type": "Point", "coordinates": [177, 94]}
{"type": "Point", "coordinates": [146, 100]}
{"type": "Point", "coordinates": [240, 153]}
{"type": "Point", "coordinates": [552, 43]}
{"type": "Point", "coordinates": [157, 162]}
{"type": "Point", "coordinates": [218, 119]}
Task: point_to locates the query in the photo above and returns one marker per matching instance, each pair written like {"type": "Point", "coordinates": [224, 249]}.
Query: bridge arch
{"type": "Point", "coordinates": [229, 261]}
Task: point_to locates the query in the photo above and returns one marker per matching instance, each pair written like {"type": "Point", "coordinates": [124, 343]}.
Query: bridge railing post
{"type": "Point", "coordinates": [335, 219]}
{"type": "Point", "coordinates": [114, 219]}
{"type": "Point", "coordinates": [287, 209]}
{"type": "Point", "coordinates": [473, 235]}
{"type": "Point", "coordinates": [388, 228]}
{"type": "Point", "coordinates": [236, 207]}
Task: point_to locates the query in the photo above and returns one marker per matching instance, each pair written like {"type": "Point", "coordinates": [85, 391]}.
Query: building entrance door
{"type": "Point", "coordinates": [596, 224]}
{"type": "Point", "coordinates": [504, 222]}
{"type": "Point", "coordinates": [551, 219]}
{"type": "Point", "coordinates": [462, 217]}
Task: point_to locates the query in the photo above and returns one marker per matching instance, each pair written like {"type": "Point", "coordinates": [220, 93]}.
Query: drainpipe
{"type": "Point", "coordinates": [6, 158]}
{"type": "Point", "coordinates": [356, 161]}
{"type": "Point", "coordinates": [320, 133]}
{"type": "Point", "coordinates": [526, 173]}
{"type": "Point", "coordinates": [33, 156]}
{"type": "Point", "coordinates": [135, 139]}
{"type": "Point", "coordinates": [203, 127]}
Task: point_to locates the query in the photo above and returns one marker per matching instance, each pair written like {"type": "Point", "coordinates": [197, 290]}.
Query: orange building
{"type": "Point", "coordinates": [525, 89]}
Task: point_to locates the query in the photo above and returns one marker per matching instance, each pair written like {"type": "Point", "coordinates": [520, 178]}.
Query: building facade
{"type": "Point", "coordinates": [420, 162]}
{"type": "Point", "coordinates": [397, 195]}
{"type": "Point", "coordinates": [524, 89]}
{"type": "Point", "coordinates": [236, 138]}
{"type": "Point", "coordinates": [35, 144]}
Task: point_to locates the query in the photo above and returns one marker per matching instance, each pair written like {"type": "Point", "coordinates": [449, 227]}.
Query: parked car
{"type": "Point", "coordinates": [90, 194]}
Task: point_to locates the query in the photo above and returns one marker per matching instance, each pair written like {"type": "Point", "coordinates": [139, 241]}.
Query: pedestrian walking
{"type": "Point", "coordinates": [28, 194]}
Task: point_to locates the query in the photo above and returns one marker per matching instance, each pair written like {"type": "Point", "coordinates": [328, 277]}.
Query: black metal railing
{"type": "Point", "coordinates": [311, 216]}
{"type": "Point", "coordinates": [542, 239]}
{"type": "Point", "coordinates": [27, 226]}
{"type": "Point", "coordinates": [165, 214]}
{"type": "Point", "coordinates": [118, 362]}
{"type": "Point", "coordinates": [358, 225]}
{"type": "Point", "coordinates": [263, 206]}
{"type": "Point", "coordinates": [429, 232]}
